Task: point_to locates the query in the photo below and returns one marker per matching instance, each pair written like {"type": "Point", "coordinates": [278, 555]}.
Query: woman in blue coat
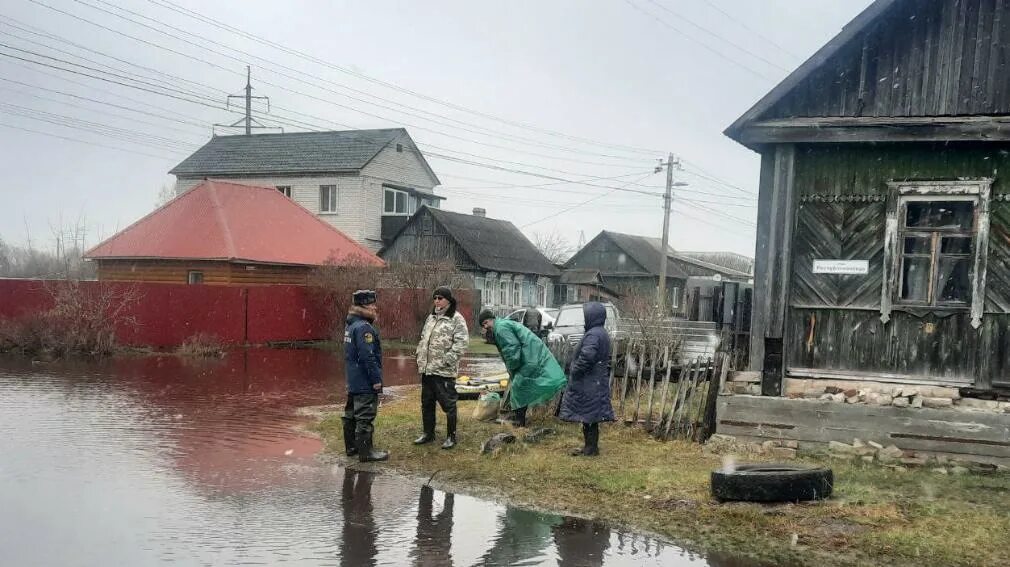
{"type": "Point", "coordinates": [587, 397]}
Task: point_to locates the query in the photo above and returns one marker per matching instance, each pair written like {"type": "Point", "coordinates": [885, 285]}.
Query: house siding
{"type": "Point", "coordinates": [400, 168]}
{"type": "Point", "coordinates": [358, 208]}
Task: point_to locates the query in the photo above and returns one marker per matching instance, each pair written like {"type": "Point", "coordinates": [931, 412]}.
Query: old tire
{"type": "Point", "coordinates": [772, 483]}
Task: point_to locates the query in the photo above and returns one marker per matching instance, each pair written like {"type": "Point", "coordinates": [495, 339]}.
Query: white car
{"type": "Point", "coordinates": [547, 316]}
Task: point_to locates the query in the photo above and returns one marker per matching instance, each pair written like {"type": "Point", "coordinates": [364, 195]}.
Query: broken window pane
{"type": "Point", "coordinates": [915, 279]}
{"type": "Point", "coordinates": [955, 245]}
{"type": "Point", "coordinates": [918, 245]}
{"type": "Point", "coordinates": [957, 215]}
{"type": "Point", "coordinates": [953, 280]}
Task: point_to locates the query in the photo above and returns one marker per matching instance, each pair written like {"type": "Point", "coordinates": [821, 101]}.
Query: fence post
{"type": "Point", "coordinates": [666, 385]}
{"type": "Point", "coordinates": [652, 384]}
{"type": "Point", "coordinates": [638, 380]}
{"type": "Point", "coordinates": [624, 383]}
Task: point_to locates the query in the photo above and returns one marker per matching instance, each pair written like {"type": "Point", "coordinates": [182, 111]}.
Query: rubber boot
{"type": "Point", "coordinates": [592, 434]}
{"type": "Point", "coordinates": [350, 448]}
{"type": "Point", "coordinates": [425, 438]}
{"type": "Point", "coordinates": [367, 454]}
{"type": "Point", "coordinates": [450, 433]}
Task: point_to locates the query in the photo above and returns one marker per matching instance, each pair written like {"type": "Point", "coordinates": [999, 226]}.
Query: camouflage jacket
{"type": "Point", "coordinates": [443, 341]}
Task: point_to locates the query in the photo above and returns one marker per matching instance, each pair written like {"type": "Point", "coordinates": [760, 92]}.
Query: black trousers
{"type": "Point", "coordinates": [359, 414]}
{"type": "Point", "coordinates": [442, 390]}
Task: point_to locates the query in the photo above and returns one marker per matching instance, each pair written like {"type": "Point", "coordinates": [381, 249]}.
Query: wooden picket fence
{"type": "Point", "coordinates": [654, 387]}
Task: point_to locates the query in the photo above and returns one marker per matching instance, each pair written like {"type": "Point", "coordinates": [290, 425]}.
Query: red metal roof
{"type": "Point", "coordinates": [217, 220]}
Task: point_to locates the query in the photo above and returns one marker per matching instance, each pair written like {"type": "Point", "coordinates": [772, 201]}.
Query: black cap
{"type": "Point", "coordinates": [442, 291]}
{"type": "Point", "coordinates": [484, 316]}
{"type": "Point", "coordinates": [364, 297]}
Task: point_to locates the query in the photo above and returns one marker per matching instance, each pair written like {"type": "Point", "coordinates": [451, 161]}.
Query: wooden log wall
{"type": "Point", "coordinates": [922, 58]}
{"type": "Point", "coordinates": [833, 321]}
{"type": "Point", "coordinates": [214, 273]}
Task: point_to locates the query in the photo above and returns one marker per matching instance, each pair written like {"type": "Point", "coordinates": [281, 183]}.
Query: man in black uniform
{"type": "Point", "coordinates": [363, 361]}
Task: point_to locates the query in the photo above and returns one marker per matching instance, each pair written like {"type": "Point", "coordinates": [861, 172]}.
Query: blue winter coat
{"type": "Point", "coordinates": [587, 397]}
{"type": "Point", "coordinates": [362, 356]}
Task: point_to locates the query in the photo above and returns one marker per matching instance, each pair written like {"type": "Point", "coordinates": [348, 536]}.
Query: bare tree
{"type": "Point", "coordinates": [554, 246]}
{"type": "Point", "coordinates": [165, 194]}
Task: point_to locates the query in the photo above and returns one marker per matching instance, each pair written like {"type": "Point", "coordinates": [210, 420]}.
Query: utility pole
{"type": "Point", "coordinates": [248, 121]}
{"type": "Point", "coordinates": [671, 162]}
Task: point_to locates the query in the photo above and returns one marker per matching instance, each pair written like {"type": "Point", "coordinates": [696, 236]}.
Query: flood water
{"type": "Point", "coordinates": [152, 460]}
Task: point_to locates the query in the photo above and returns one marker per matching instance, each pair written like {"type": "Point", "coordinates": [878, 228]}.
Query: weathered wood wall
{"type": "Point", "coordinates": [834, 320]}
{"type": "Point", "coordinates": [921, 58]}
{"type": "Point", "coordinates": [425, 240]}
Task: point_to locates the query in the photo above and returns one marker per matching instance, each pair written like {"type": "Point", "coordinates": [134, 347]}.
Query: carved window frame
{"type": "Point", "coordinates": [975, 190]}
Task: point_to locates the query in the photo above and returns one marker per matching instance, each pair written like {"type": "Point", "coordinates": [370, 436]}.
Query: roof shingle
{"type": "Point", "coordinates": [495, 245]}
{"type": "Point", "coordinates": [217, 220]}
{"type": "Point", "coordinates": [296, 152]}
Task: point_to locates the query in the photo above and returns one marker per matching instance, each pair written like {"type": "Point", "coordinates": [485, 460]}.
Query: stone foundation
{"type": "Point", "coordinates": [867, 392]}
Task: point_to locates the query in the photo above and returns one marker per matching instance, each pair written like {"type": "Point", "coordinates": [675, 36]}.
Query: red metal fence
{"type": "Point", "coordinates": [165, 315]}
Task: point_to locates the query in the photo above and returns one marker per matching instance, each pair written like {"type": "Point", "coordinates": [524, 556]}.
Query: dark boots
{"type": "Point", "coordinates": [367, 454]}
{"type": "Point", "coordinates": [591, 437]}
{"type": "Point", "coordinates": [349, 446]}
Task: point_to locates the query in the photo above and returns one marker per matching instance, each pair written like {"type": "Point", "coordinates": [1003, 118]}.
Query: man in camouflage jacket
{"type": "Point", "coordinates": [444, 340]}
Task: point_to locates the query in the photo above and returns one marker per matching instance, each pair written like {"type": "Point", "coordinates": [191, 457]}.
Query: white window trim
{"type": "Point", "coordinates": [503, 292]}
{"type": "Point", "coordinates": [517, 293]}
{"type": "Point", "coordinates": [284, 190]}
{"type": "Point", "coordinates": [936, 190]}
{"type": "Point", "coordinates": [406, 202]}
{"type": "Point", "coordinates": [334, 200]}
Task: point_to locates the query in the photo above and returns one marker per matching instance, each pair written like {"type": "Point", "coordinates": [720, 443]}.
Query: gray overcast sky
{"type": "Point", "coordinates": [666, 75]}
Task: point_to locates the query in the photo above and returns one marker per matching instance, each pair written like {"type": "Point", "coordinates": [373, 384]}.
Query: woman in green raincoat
{"type": "Point", "coordinates": [534, 374]}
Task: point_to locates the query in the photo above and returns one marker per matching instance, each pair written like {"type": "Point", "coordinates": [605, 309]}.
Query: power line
{"type": "Point", "coordinates": [302, 124]}
{"type": "Point", "coordinates": [221, 25]}
{"type": "Point", "coordinates": [203, 39]}
{"type": "Point", "coordinates": [744, 25]}
{"type": "Point", "coordinates": [715, 35]}
{"type": "Point", "coordinates": [586, 202]}
{"type": "Point", "coordinates": [702, 44]}
{"type": "Point", "coordinates": [88, 142]}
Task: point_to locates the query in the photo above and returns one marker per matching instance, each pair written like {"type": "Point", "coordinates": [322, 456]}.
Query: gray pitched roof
{"type": "Point", "coordinates": [580, 276]}
{"type": "Point", "coordinates": [731, 260]}
{"type": "Point", "coordinates": [493, 244]}
{"type": "Point", "coordinates": [296, 152]}
{"type": "Point", "coordinates": [646, 251]}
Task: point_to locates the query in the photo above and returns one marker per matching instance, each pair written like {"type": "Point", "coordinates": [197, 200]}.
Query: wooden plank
{"type": "Point", "coordinates": [624, 382]}
{"type": "Point", "coordinates": [665, 386]}
{"type": "Point", "coordinates": [638, 383]}
{"type": "Point", "coordinates": [993, 62]}
{"type": "Point", "coordinates": [950, 431]}
{"type": "Point", "coordinates": [762, 262]}
{"type": "Point", "coordinates": [676, 402]}
{"type": "Point", "coordinates": [652, 386]}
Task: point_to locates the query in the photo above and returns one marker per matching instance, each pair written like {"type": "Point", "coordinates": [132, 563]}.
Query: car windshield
{"type": "Point", "coordinates": [571, 317]}
{"type": "Point", "coordinates": [551, 312]}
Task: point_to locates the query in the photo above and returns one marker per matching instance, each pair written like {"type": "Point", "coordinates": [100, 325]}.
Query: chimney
{"type": "Point", "coordinates": [479, 212]}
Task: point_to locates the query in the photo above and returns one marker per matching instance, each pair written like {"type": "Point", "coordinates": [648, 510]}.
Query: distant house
{"type": "Point", "coordinates": [630, 264]}
{"type": "Point", "coordinates": [578, 285]}
{"type": "Point", "coordinates": [365, 183]}
{"type": "Point", "coordinates": [498, 260]}
{"type": "Point", "coordinates": [215, 233]}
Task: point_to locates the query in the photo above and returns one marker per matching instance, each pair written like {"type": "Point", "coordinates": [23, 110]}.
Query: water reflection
{"type": "Point", "coordinates": [142, 461]}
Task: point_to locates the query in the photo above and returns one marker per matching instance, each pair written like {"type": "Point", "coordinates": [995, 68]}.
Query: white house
{"type": "Point", "coordinates": [366, 183]}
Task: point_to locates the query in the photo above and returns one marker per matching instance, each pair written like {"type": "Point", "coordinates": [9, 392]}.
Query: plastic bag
{"type": "Point", "coordinates": [487, 406]}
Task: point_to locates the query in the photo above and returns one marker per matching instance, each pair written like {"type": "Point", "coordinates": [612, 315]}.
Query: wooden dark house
{"type": "Point", "coordinates": [883, 247]}
{"type": "Point", "coordinates": [497, 259]}
{"type": "Point", "coordinates": [629, 264]}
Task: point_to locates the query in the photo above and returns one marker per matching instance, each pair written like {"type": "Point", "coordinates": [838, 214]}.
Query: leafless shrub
{"type": "Point", "coordinates": [83, 320]}
{"type": "Point", "coordinates": [333, 283]}
{"type": "Point", "coordinates": [646, 324]}
{"type": "Point", "coordinates": [201, 345]}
